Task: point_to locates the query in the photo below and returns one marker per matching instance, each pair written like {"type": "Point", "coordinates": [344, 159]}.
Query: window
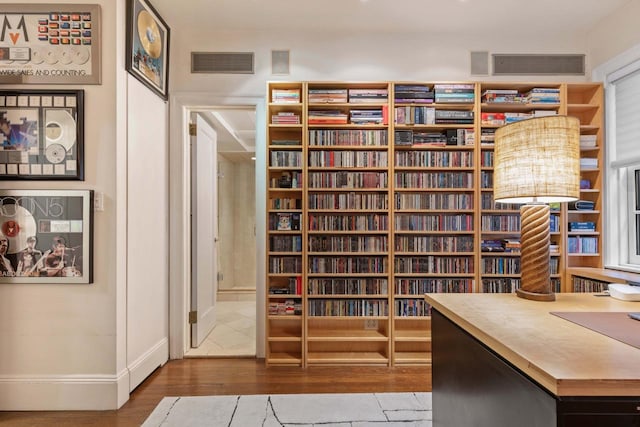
{"type": "Point", "coordinates": [634, 215]}
{"type": "Point", "coordinates": [623, 168]}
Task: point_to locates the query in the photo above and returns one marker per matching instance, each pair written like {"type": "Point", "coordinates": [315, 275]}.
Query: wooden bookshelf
{"type": "Point", "coordinates": [584, 247]}
{"type": "Point", "coordinates": [499, 104]}
{"type": "Point", "coordinates": [285, 242]}
{"type": "Point", "coordinates": [393, 199]}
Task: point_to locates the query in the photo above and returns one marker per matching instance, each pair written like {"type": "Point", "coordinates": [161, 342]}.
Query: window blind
{"type": "Point", "coordinates": [627, 120]}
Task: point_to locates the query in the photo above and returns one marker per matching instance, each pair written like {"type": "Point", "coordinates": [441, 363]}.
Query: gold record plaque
{"type": "Point", "coordinates": [149, 34]}
{"type": "Point", "coordinates": [147, 46]}
{"type": "Point", "coordinates": [41, 134]}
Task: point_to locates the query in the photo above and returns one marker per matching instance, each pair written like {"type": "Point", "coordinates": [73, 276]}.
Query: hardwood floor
{"type": "Point", "coordinates": [202, 377]}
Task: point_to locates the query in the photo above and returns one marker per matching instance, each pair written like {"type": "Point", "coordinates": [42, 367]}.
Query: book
{"type": "Point", "coordinates": [582, 226]}
{"type": "Point", "coordinates": [588, 163]}
{"type": "Point", "coordinates": [581, 205]}
{"type": "Point", "coordinates": [284, 221]}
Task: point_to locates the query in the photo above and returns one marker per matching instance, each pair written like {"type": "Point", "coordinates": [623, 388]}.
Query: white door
{"type": "Point", "coordinates": [204, 231]}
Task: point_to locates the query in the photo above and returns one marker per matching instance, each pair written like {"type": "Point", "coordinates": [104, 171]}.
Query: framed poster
{"type": "Point", "coordinates": [41, 134]}
{"type": "Point", "coordinates": [46, 236]}
{"type": "Point", "coordinates": [147, 46]}
{"type": "Point", "coordinates": [50, 43]}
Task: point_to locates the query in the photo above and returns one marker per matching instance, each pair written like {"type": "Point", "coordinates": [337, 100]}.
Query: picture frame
{"type": "Point", "coordinates": [50, 44]}
{"type": "Point", "coordinates": [41, 134]}
{"type": "Point", "coordinates": [46, 236]}
{"type": "Point", "coordinates": [147, 49]}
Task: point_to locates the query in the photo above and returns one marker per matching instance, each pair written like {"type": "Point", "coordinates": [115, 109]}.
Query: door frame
{"type": "Point", "coordinates": [181, 106]}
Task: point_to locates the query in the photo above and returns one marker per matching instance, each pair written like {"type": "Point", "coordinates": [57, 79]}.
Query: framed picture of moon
{"type": "Point", "coordinates": [148, 46]}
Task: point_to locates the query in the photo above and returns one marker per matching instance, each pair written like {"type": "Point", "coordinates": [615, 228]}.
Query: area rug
{"type": "Point", "coordinates": [295, 410]}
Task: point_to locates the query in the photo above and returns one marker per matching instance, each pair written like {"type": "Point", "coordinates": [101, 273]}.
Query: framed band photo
{"type": "Point", "coordinates": [46, 236]}
{"type": "Point", "coordinates": [41, 134]}
{"type": "Point", "coordinates": [147, 46]}
{"type": "Point", "coordinates": [50, 44]}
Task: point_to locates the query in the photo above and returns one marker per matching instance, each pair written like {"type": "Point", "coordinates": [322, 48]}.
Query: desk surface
{"type": "Point", "coordinates": [565, 358]}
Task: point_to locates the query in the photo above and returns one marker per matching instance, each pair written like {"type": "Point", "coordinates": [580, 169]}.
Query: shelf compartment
{"type": "Point", "coordinates": [284, 353]}
{"type": "Point", "coordinates": [347, 358]}
{"type": "Point", "coordinates": [412, 358]}
{"type": "Point", "coordinates": [285, 329]}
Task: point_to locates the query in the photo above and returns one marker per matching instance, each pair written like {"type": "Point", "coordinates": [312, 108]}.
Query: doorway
{"type": "Point", "coordinates": [232, 249]}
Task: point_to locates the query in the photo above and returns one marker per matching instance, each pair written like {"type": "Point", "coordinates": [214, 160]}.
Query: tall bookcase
{"type": "Point", "coordinates": [379, 192]}
{"type": "Point", "coordinates": [433, 206]}
{"type": "Point", "coordinates": [500, 104]}
{"type": "Point", "coordinates": [584, 237]}
{"type": "Point", "coordinates": [286, 149]}
{"type": "Point", "coordinates": [348, 217]}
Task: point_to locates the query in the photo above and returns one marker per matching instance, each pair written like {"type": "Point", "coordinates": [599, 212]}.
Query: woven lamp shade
{"type": "Point", "coordinates": [537, 160]}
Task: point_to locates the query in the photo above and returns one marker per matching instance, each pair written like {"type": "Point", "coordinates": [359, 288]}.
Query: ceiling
{"type": "Point", "coordinates": [236, 127]}
{"type": "Point", "coordinates": [424, 16]}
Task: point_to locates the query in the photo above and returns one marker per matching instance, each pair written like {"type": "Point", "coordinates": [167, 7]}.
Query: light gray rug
{"type": "Point", "coordinates": [295, 410]}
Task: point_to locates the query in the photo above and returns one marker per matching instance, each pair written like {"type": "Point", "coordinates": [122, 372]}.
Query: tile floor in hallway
{"type": "Point", "coordinates": [234, 333]}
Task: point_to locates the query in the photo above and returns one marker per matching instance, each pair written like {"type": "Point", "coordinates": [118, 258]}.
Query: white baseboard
{"type": "Point", "coordinates": [79, 392]}
{"type": "Point", "coordinates": [59, 393]}
{"type": "Point", "coordinates": [148, 362]}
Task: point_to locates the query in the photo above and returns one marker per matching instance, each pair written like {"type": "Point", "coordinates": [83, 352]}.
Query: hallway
{"type": "Point", "coordinates": [234, 333]}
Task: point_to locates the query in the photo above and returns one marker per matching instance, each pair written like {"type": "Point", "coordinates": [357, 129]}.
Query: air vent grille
{"type": "Point", "coordinates": [518, 64]}
{"type": "Point", "coordinates": [222, 62]}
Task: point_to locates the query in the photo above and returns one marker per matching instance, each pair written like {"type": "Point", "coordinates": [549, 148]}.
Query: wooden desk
{"type": "Point", "coordinates": [499, 360]}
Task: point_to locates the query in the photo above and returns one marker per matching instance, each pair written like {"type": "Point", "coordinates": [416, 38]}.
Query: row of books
{"type": "Point", "coordinates": [436, 139]}
{"type": "Point", "coordinates": [294, 287]}
{"type": "Point", "coordinates": [415, 94]}
{"type": "Point", "coordinates": [588, 141]}
{"type": "Point", "coordinates": [582, 205]}
{"type": "Point", "coordinates": [285, 96]}
{"type": "Point", "coordinates": [441, 93]}
{"type": "Point", "coordinates": [582, 226]}
{"type": "Point", "coordinates": [500, 245]}
{"type": "Point", "coordinates": [284, 221]}
{"type": "Point", "coordinates": [588, 163]}
{"type": "Point", "coordinates": [337, 96]}
{"type": "Point", "coordinates": [287, 307]}
{"type": "Point", "coordinates": [504, 118]}
{"type": "Point", "coordinates": [285, 118]}
{"type": "Point", "coordinates": [356, 117]}
{"type": "Point", "coordinates": [408, 93]}
{"type": "Point", "coordinates": [454, 93]}
{"type": "Point", "coordinates": [534, 96]}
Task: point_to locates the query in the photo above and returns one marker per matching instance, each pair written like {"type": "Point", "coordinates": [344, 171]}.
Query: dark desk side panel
{"type": "Point", "coordinates": [473, 387]}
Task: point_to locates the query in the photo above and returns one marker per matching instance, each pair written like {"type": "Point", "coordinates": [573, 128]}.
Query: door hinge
{"type": "Point", "coordinates": [193, 317]}
{"type": "Point", "coordinates": [193, 128]}
{"type": "Point", "coordinates": [220, 276]}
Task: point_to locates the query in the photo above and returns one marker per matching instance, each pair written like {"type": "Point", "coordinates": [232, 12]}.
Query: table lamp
{"type": "Point", "coordinates": [536, 161]}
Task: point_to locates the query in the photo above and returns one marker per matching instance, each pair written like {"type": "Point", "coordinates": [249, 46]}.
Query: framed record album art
{"type": "Point", "coordinates": [41, 134]}
{"type": "Point", "coordinates": [50, 44]}
{"type": "Point", "coordinates": [46, 236]}
{"type": "Point", "coordinates": [147, 46]}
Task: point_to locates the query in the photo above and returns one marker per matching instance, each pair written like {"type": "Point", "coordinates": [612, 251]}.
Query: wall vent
{"type": "Point", "coordinates": [518, 64]}
{"type": "Point", "coordinates": [222, 62]}
{"type": "Point", "coordinates": [279, 62]}
{"type": "Point", "coordinates": [479, 63]}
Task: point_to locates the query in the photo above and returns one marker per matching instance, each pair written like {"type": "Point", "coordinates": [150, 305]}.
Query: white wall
{"type": "Point", "coordinates": [245, 213]}
{"type": "Point", "coordinates": [148, 232]}
{"type": "Point", "coordinates": [615, 34]}
{"type": "Point", "coordinates": [66, 346]}
{"type": "Point", "coordinates": [237, 223]}
{"type": "Point", "coordinates": [352, 57]}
